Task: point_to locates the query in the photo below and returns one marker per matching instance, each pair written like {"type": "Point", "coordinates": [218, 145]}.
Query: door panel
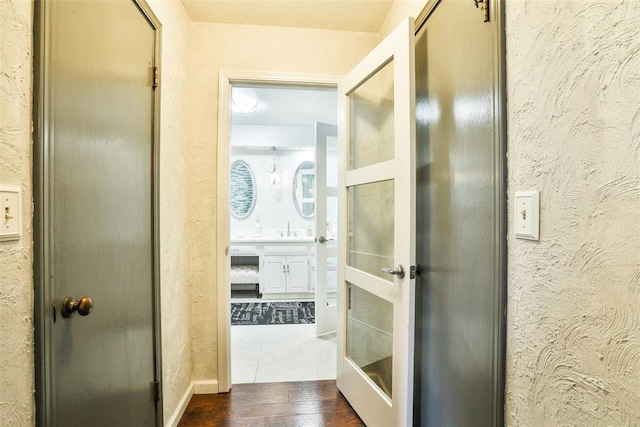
{"type": "Point", "coordinates": [371, 219]}
{"type": "Point", "coordinates": [326, 220]}
{"type": "Point", "coordinates": [371, 114]}
{"type": "Point", "coordinates": [376, 298]}
{"type": "Point", "coordinates": [101, 220]}
{"type": "Point", "coordinates": [370, 336]}
{"type": "Point", "coordinates": [460, 205]}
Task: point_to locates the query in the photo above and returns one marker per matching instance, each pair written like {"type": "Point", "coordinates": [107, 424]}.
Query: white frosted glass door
{"type": "Point", "coordinates": [376, 247]}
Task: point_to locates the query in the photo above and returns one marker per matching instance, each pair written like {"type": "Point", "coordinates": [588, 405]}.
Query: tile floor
{"type": "Point", "coordinates": [281, 353]}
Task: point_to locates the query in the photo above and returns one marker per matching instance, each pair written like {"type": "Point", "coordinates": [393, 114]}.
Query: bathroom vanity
{"type": "Point", "coordinates": [283, 266]}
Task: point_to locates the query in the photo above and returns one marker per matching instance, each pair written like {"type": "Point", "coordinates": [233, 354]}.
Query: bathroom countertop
{"type": "Point", "coordinates": [273, 239]}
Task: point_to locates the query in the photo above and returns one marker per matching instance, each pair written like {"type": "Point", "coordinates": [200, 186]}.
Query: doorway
{"type": "Point", "coordinates": [268, 161]}
{"type": "Point", "coordinates": [96, 274]}
{"type": "Point", "coordinates": [274, 180]}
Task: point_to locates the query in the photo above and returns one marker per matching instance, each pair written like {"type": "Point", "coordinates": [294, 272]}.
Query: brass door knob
{"type": "Point", "coordinates": [70, 304]}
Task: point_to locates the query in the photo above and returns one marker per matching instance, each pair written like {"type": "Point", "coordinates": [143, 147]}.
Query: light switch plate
{"type": "Point", "coordinates": [527, 215]}
{"type": "Point", "coordinates": [10, 213]}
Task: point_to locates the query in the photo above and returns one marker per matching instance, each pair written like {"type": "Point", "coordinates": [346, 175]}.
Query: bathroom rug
{"type": "Point", "coordinates": [273, 313]}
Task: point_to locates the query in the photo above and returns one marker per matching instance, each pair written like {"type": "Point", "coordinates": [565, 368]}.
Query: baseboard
{"type": "Point", "coordinates": [205, 387]}
{"type": "Point", "coordinates": [182, 406]}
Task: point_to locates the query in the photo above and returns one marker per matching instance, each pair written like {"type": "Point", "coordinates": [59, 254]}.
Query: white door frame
{"type": "Point", "coordinates": [227, 78]}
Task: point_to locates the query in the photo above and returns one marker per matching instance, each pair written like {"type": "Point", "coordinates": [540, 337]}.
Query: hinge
{"type": "Point", "coordinates": [156, 391]}
{"type": "Point", "coordinates": [485, 8]}
{"type": "Point", "coordinates": [414, 271]}
{"type": "Point", "coordinates": [156, 78]}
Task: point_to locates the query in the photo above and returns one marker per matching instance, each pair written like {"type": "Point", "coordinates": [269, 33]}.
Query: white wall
{"type": "Point", "coordinates": [245, 48]}
{"type": "Point", "coordinates": [267, 136]}
{"type": "Point", "coordinates": [16, 258]}
{"type": "Point", "coordinates": [274, 203]}
{"type": "Point", "coordinates": [573, 338]}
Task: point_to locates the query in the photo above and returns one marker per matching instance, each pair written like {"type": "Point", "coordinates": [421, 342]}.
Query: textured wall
{"type": "Point", "coordinates": [573, 340]}
{"type": "Point", "coordinates": [246, 48]}
{"type": "Point", "coordinates": [16, 274]}
{"type": "Point", "coordinates": [398, 11]}
{"type": "Point", "coordinates": [174, 237]}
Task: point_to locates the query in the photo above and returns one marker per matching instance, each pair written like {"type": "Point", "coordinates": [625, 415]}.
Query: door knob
{"type": "Point", "coordinates": [323, 240]}
{"type": "Point", "coordinates": [398, 271]}
{"type": "Point", "coordinates": [70, 304]}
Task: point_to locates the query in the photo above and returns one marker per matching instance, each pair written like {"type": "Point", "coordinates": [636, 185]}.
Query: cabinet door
{"type": "Point", "coordinates": [298, 277]}
{"type": "Point", "coordinates": [312, 276]}
{"type": "Point", "coordinates": [274, 276]}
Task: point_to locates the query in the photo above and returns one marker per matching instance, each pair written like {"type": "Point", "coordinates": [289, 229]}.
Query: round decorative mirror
{"type": "Point", "coordinates": [304, 187]}
{"type": "Point", "coordinates": [242, 190]}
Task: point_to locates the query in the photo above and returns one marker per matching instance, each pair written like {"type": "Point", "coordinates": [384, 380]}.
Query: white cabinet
{"type": "Point", "coordinates": [284, 265]}
{"type": "Point", "coordinates": [285, 274]}
{"type": "Point", "coordinates": [274, 279]}
{"type": "Point", "coordinates": [298, 274]}
{"type": "Point", "coordinates": [332, 274]}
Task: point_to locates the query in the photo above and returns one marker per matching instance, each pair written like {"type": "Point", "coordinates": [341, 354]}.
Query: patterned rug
{"type": "Point", "coordinates": [273, 313]}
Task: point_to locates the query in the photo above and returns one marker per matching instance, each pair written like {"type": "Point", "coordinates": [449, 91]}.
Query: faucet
{"type": "Point", "coordinates": [288, 228]}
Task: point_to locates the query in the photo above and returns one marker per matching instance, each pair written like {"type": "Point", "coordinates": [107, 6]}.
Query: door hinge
{"type": "Point", "coordinates": [485, 8]}
{"type": "Point", "coordinates": [156, 78]}
{"type": "Point", "coordinates": [414, 271]}
{"type": "Point", "coordinates": [156, 391]}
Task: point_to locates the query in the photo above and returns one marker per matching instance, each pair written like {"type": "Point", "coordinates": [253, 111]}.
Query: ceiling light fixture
{"type": "Point", "coordinates": [243, 103]}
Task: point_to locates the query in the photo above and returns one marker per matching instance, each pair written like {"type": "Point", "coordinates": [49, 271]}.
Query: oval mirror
{"type": "Point", "coordinates": [304, 187]}
{"type": "Point", "coordinates": [242, 190]}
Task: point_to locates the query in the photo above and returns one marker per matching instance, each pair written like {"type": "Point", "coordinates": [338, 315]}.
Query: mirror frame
{"type": "Point", "coordinates": [294, 187]}
{"type": "Point", "coordinates": [247, 212]}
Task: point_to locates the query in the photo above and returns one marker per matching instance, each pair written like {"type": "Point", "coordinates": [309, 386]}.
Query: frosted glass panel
{"type": "Point", "coordinates": [370, 335]}
{"type": "Point", "coordinates": [371, 227]}
{"type": "Point", "coordinates": [371, 120]}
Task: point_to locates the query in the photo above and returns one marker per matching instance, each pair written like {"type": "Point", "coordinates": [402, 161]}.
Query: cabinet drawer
{"type": "Point", "coordinates": [285, 250]}
{"type": "Point", "coordinates": [243, 250]}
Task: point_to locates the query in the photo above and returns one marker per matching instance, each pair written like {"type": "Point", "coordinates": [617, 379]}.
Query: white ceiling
{"type": "Point", "coordinates": [288, 106]}
{"type": "Point", "coordinates": [345, 15]}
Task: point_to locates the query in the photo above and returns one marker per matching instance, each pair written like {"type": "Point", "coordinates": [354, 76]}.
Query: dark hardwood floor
{"type": "Point", "coordinates": [306, 403]}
